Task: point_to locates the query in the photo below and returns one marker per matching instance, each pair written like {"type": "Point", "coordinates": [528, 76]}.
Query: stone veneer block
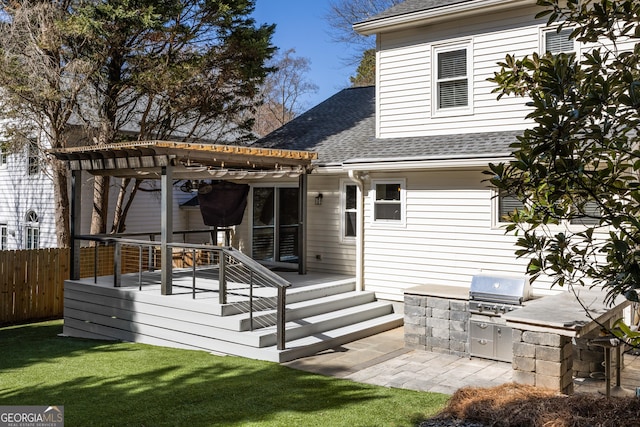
{"type": "Point", "coordinates": [542, 338]}
{"type": "Point", "coordinates": [440, 303]}
{"type": "Point", "coordinates": [438, 323]}
{"type": "Point", "coordinates": [526, 364]}
{"type": "Point", "coordinates": [415, 300]}
{"type": "Point", "coordinates": [553, 354]}
{"type": "Point", "coordinates": [438, 313]}
{"type": "Point", "coordinates": [413, 311]}
{"type": "Point", "coordinates": [524, 350]}
{"type": "Point", "coordinates": [459, 316]}
{"type": "Point", "coordinates": [459, 306]}
{"type": "Point", "coordinates": [555, 369]}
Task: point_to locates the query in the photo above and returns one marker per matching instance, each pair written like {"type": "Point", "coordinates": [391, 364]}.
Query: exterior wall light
{"type": "Point", "coordinates": [319, 199]}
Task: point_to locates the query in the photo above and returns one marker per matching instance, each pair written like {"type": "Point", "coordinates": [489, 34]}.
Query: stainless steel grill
{"type": "Point", "coordinates": [496, 295]}
{"type": "Point", "coordinates": [491, 296]}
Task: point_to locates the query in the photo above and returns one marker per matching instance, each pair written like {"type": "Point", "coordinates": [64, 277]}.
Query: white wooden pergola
{"type": "Point", "coordinates": [168, 161]}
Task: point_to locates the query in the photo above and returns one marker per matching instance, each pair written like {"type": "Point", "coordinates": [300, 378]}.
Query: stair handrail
{"type": "Point", "coordinates": [252, 265]}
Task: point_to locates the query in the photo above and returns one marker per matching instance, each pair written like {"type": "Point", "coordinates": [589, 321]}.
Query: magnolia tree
{"type": "Point", "coordinates": [580, 162]}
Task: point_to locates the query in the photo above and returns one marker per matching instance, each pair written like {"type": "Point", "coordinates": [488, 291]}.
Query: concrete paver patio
{"type": "Point", "coordinates": [383, 360]}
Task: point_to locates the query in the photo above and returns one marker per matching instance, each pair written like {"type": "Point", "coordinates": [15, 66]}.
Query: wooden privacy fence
{"type": "Point", "coordinates": [31, 284]}
{"type": "Point", "coordinates": [32, 281]}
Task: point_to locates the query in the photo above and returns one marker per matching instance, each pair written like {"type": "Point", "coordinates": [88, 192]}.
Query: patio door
{"type": "Point", "coordinates": [275, 226]}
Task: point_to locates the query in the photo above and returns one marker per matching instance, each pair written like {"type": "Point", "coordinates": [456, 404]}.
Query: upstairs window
{"type": "Point", "coordinates": [32, 230]}
{"type": "Point", "coordinates": [558, 42]}
{"type": "Point", "coordinates": [33, 158]}
{"type": "Point", "coordinates": [452, 78]}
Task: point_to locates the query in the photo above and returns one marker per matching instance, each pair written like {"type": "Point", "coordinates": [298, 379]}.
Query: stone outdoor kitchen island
{"type": "Point", "coordinates": [550, 336]}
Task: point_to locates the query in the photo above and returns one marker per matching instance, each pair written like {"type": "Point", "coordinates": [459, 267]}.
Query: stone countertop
{"type": "Point", "coordinates": [440, 291]}
{"type": "Point", "coordinates": [563, 314]}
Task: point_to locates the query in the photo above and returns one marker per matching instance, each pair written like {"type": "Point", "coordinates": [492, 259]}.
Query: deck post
{"type": "Point", "coordinates": [166, 235]}
{"type": "Point", "coordinates": [282, 303]}
{"type": "Point", "coordinates": [76, 215]}
{"type": "Point", "coordinates": [222, 278]}
{"type": "Point", "coordinates": [302, 223]}
{"type": "Point", "coordinates": [117, 265]}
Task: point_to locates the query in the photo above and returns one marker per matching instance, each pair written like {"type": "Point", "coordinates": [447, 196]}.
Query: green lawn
{"type": "Point", "coordinates": [121, 384]}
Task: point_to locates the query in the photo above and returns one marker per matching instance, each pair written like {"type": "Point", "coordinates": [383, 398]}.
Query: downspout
{"type": "Point", "coordinates": [357, 177]}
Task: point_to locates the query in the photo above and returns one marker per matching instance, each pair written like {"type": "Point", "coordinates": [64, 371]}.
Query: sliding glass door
{"type": "Point", "coordinates": [275, 225]}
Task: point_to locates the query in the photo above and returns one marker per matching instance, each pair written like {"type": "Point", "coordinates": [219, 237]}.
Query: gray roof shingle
{"type": "Point", "coordinates": [342, 130]}
{"type": "Point", "coordinates": [410, 6]}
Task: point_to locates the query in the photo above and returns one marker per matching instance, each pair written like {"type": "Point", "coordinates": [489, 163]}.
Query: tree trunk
{"type": "Point", "coordinates": [122, 208]}
{"type": "Point", "coordinates": [100, 205]}
{"type": "Point", "coordinates": [61, 204]}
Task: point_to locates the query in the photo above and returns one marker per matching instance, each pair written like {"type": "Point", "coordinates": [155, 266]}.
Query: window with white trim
{"type": "Point", "coordinates": [451, 72]}
{"type": "Point", "coordinates": [389, 201]}
{"type": "Point", "coordinates": [3, 157]}
{"type": "Point", "coordinates": [558, 42]}
{"type": "Point", "coordinates": [506, 204]}
{"type": "Point", "coordinates": [3, 237]}
{"type": "Point", "coordinates": [591, 215]}
{"type": "Point", "coordinates": [32, 231]}
{"type": "Point", "coordinates": [349, 206]}
{"type": "Point", "coordinates": [33, 158]}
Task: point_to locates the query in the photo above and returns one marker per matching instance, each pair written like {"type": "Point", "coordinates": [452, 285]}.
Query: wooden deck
{"type": "Point", "coordinates": [323, 310]}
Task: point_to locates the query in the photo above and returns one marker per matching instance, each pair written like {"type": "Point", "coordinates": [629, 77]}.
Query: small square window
{"type": "Point", "coordinates": [388, 203]}
{"type": "Point", "coordinates": [558, 42]}
{"type": "Point", "coordinates": [507, 204]}
{"type": "Point", "coordinates": [591, 215]}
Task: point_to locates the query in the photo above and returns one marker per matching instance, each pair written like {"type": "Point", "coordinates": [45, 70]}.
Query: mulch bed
{"type": "Point", "coordinates": [512, 405]}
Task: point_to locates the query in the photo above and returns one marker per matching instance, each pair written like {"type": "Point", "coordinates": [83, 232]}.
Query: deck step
{"type": "Point", "coordinates": [318, 317]}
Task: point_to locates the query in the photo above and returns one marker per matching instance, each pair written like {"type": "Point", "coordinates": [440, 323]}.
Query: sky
{"type": "Point", "coordinates": [300, 25]}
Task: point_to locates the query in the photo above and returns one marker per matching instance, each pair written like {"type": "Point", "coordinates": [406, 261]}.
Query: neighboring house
{"type": "Point", "coordinates": [27, 210]}
{"type": "Point", "coordinates": [402, 198]}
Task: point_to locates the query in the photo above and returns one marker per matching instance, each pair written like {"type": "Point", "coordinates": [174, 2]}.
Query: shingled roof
{"type": "Point", "coordinates": [410, 6]}
{"type": "Point", "coordinates": [342, 131]}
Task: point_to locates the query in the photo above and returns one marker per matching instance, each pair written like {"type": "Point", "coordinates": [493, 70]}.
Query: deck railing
{"type": "Point", "coordinates": [239, 280]}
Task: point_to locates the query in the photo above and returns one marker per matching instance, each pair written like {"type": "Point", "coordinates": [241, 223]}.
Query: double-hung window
{"type": "Point", "coordinates": [506, 204]}
{"type": "Point", "coordinates": [556, 42]}
{"type": "Point", "coordinates": [349, 204]}
{"type": "Point", "coordinates": [452, 78]}
{"type": "Point", "coordinates": [32, 231]}
{"type": "Point", "coordinates": [3, 237]}
{"type": "Point", "coordinates": [389, 202]}
{"type": "Point", "coordinates": [33, 158]}
{"type": "Point", "coordinates": [3, 157]}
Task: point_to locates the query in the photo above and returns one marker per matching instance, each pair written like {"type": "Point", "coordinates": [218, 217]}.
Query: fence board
{"type": "Point", "coordinates": [32, 283]}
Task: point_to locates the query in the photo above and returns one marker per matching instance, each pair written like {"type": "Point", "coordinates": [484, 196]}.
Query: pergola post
{"type": "Point", "coordinates": [166, 225]}
{"type": "Point", "coordinates": [74, 222]}
{"type": "Point", "coordinates": [302, 223]}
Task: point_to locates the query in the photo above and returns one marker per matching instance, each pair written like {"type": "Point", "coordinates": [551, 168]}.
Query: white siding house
{"type": "Point", "coordinates": [417, 144]}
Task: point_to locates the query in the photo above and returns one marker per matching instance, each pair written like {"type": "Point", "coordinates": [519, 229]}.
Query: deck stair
{"type": "Point", "coordinates": [318, 317]}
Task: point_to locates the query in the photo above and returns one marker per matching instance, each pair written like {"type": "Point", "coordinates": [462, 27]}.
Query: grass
{"type": "Point", "coordinates": [123, 384]}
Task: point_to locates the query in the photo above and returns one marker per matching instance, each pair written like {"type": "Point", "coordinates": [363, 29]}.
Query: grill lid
{"type": "Point", "coordinates": [502, 289]}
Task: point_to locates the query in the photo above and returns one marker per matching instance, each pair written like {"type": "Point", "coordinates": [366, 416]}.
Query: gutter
{"type": "Point", "coordinates": [433, 15]}
{"type": "Point", "coordinates": [358, 178]}
{"type": "Point", "coordinates": [381, 164]}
